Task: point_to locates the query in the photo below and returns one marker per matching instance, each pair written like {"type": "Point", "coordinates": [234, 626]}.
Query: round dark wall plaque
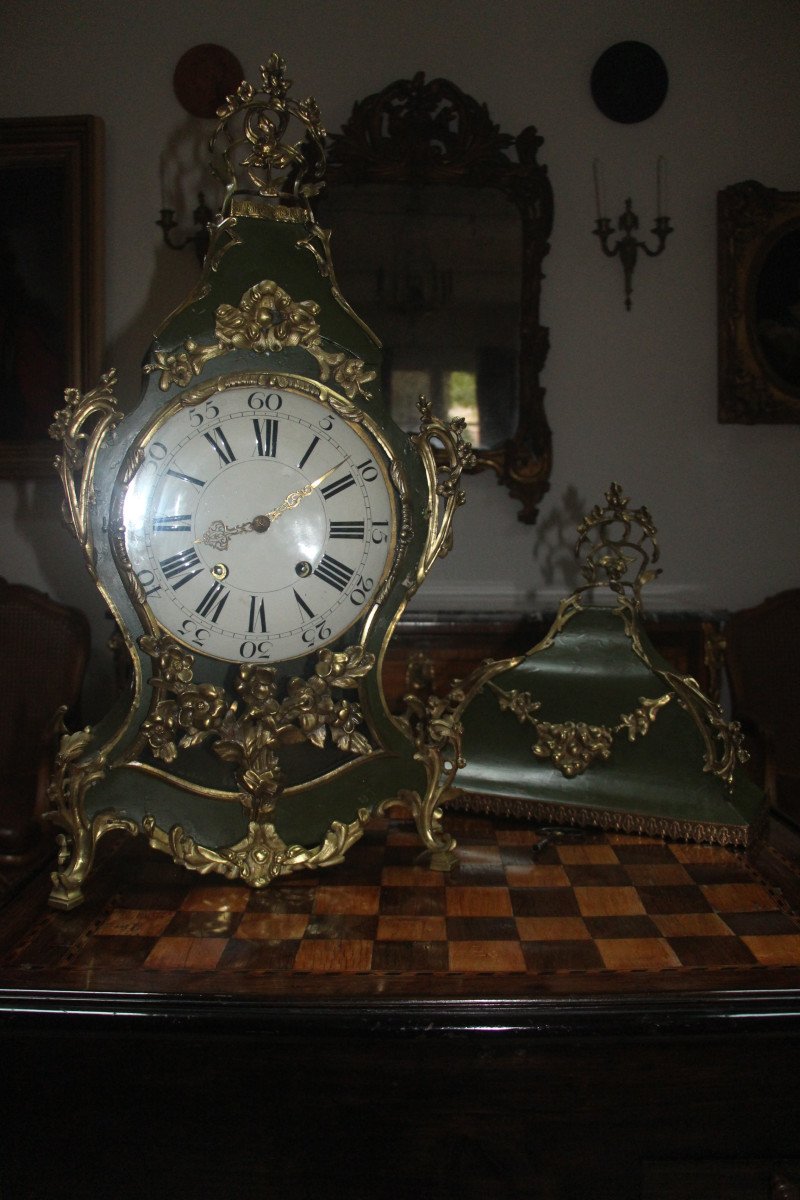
{"type": "Point", "coordinates": [204, 76]}
{"type": "Point", "coordinates": [629, 82]}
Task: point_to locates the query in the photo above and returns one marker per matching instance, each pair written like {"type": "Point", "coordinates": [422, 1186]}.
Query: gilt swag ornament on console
{"type": "Point", "coordinates": [256, 525]}
{"type": "Point", "coordinates": [592, 727]}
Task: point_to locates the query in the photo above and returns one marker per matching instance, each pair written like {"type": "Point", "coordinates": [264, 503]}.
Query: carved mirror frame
{"type": "Point", "coordinates": [419, 133]}
{"type": "Point", "coordinates": [758, 245]}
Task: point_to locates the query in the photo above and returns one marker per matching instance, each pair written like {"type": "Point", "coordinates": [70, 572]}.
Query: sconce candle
{"type": "Point", "coordinates": [202, 217]}
{"type": "Point", "coordinates": [627, 247]}
{"type": "Point", "coordinates": [661, 186]}
{"type": "Point", "coordinates": [599, 196]}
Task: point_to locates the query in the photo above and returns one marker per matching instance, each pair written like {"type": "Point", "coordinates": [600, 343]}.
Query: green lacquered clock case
{"type": "Point", "coordinates": [256, 525]}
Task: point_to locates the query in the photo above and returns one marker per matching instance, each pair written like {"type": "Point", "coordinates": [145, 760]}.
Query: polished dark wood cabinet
{"type": "Point", "coordinates": [379, 1104]}
{"type": "Point", "coordinates": [149, 1049]}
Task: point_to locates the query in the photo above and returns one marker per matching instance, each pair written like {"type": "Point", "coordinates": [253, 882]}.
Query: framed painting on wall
{"type": "Point", "coordinates": [51, 263]}
{"type": "Point", "coordinates": [758, 239]}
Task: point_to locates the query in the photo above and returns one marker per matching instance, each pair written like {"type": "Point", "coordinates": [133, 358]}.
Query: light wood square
{"type": "Point", "coordinates": [186, 954]}
{"type": "Point", "coordinates": [637, 954]}
{"type": "Point", "coordinates": [608, 901]}
{"type": "Point", "coordinates": [552, 929]}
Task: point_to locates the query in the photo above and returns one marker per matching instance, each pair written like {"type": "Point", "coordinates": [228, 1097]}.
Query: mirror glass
{"type": "Point", "coordinates": [440, 225]}
{"type": "Point", "coordinates": [777, 309]}
{"type": "Point", "coordinates": [436, 272]}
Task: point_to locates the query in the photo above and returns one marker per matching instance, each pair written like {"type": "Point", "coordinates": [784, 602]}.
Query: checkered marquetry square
{"type": "Point", "coordinates": [607, 903]}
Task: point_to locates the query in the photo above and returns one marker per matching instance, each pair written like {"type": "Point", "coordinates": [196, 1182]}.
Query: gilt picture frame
{"type": "Point", "coordinates": [758, 239]}
{"type": "Point", "coordinates": [51, 262]}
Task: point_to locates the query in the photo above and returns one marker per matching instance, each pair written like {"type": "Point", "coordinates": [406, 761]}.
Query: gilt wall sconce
{"type": "Point", "coordinates": [204, 76]}
{"type": "Point", "coordinates": [627, 247]}
{"type": "Point", "coordinates": [199, 237]}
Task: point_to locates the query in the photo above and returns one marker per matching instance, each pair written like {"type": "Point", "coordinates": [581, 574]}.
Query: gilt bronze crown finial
{"type": "Point", "coordinates": [250, 149]}
{"type": "Point", "coordinates": [614, 540]}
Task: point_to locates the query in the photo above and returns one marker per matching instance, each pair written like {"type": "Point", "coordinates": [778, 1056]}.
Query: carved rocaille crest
{"type": "Point", "coordinates": [249, 732]}
{"type": "Point", "coordinates": [266, 320]}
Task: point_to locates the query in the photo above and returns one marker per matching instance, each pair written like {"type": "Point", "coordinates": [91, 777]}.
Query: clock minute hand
{"type": "Point", "coordinates": [219, 534]}
{"type": "Point", "coordinates": [294, 498]}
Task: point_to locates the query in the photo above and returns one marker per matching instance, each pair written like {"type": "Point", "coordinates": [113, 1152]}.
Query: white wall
{"type": "Point", "coordinates": [630, 396]}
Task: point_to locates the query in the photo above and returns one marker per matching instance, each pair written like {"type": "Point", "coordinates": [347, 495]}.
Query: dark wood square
{"type": "Point", "coordinates": [409, 956]}
{"type": "Point", "coordinates": [242, 955]}
{"type": "Point", "coordinates": [621, 927]}
{"type": "Point", "coordinates": [754, 924]}
{"type": "Point", "coordinates": [675, 899]}
{"type": "Point", "coordinates": [732, 872]}
{"type": "Point", "coordinates": [412, 901]}
{"type": "Point", "coordinates": [597, 874]}
{"type": "Point", "coordinates": [634, 853]}
{"type": "Point", "coordinates": [113, 953]}
{"type": "Point", "coordinates": [480, 873]}
{"type": "Point", "coordinates": [168, 896]}
{"type": "Point", "coordinates": [282, 897]}
{"type": "Point", "coordinates": [544, 902]}
{"type": "Point", "coordinates": [343, 928]}
{"type": "Point", "coordinates": [711, 952]}
{"type": "Point", "coordinates": [523, 856]}
{"type": "Point", "coordinates": [203, 924]}
{"type": "Point", "coordinates": [561, 956]}
{"type": "Point", "coordinates": [481, 929]}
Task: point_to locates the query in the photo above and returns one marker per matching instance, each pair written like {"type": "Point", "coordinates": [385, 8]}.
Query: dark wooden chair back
{"type": "Point", "coordinates": [44, 649]}
{"type": "Point", "coordinates": [763, 664]}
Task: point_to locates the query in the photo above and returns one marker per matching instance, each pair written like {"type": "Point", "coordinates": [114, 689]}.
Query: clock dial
{"type": "Point", "coordinates": [260, 523]}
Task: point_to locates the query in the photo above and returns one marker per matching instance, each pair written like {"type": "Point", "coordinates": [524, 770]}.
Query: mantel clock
{"type": "Point", "coordinates": [256, 526]}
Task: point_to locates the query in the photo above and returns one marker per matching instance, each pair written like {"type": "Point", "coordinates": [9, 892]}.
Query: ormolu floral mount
{"type": "Point", "coordinates": [592, 727]}
{"type": "Point", "coordinates": [254, 738]}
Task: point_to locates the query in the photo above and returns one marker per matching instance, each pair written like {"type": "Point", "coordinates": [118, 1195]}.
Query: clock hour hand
{"type": "Point", "coordinates": [218, 535]}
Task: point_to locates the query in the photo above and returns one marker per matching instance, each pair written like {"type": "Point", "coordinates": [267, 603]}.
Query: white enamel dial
{"type": "Point", "coordinates": [260, 523]}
